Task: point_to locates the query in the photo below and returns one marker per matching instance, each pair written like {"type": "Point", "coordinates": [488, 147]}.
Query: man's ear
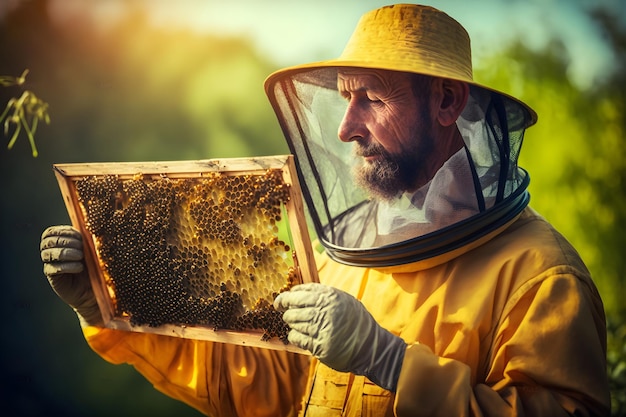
{"type": "Point", "coordinates": [454, 96]}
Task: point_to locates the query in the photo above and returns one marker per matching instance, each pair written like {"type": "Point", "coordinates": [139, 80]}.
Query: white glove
{"type": "Point", "coordinates": [337, 329]}
{"type": "Point", "coordinates": [62, 254]}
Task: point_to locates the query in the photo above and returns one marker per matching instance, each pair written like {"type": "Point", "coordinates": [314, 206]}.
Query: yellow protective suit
{"type": "Point", "coordinates": [511, 325]}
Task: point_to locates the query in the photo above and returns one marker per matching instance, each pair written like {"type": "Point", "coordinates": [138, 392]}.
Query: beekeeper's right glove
{"type": "Point", "coordinates": [62, 255]}
{"type": "Point", "coordinates": [338, 330]}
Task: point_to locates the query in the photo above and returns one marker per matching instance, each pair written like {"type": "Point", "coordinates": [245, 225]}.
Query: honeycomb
{"type": "Point", "coordinates": [192, 251]}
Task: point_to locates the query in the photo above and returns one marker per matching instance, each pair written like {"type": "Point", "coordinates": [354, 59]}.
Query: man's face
{"type": "Point", "coordinates": [391, 128]}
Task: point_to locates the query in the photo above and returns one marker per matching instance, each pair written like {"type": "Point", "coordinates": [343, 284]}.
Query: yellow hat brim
{"type": "Point", "coordinates": [407, 38]}
{"type": "Point", "coordinates": [288, 72]}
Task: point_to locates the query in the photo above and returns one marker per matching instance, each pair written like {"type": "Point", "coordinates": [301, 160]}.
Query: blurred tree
{"type": "Point", "coordinates": [128, 93]}
{"type": "Point", "coordinates": [612, 95]}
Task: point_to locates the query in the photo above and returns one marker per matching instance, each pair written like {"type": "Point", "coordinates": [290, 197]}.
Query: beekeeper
{"type": "Point", "coordinates": [442, 293]}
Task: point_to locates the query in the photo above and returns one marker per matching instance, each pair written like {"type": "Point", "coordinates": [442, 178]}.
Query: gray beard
{"type": "Point", "coordinates": [389, 176]}
{"type": "Point", "coordinates": [379, 179]}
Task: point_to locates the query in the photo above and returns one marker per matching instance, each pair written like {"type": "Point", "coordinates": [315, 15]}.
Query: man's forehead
{"type": "Point", "coordinates": [359, 78]}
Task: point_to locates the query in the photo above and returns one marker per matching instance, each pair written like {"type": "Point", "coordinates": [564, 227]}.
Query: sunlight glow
{"type": "Point", "coordinates": [297, 31]}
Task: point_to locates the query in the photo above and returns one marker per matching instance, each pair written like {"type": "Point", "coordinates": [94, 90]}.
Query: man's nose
{"type": "Point", "coordinates": [352, 125]}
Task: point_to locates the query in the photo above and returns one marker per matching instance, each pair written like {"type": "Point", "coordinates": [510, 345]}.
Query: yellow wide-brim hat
{"type": "Point", "coordinates": [409, 38]}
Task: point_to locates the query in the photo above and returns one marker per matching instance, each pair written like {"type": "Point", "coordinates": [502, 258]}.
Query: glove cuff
{"type": "Point", "coordinates": [386, 364]}
{"type": "Point", "coordinates": [89, 315]}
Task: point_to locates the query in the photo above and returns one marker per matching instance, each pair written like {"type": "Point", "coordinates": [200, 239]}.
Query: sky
{"type": "Point", "coordinates": [297, 31]}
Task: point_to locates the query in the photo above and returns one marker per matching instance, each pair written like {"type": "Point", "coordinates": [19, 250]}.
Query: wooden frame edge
{"type": "Point", "coordinates": [304, 260]}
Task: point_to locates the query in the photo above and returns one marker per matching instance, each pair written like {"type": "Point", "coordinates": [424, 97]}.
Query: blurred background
{"type": "Point", "coordinates": [167, 80]}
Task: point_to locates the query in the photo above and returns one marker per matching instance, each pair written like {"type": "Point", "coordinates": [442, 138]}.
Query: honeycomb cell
{"type": "Point", "coordinates": [192, 251]}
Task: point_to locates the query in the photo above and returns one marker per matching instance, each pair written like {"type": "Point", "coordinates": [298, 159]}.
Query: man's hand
{"type": "Point", "coordinates": [337, 329]}
{"type": "Point", "coordinates": [62, 255]}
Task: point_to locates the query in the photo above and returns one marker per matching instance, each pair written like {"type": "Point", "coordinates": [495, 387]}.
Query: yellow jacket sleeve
{"type": "Point", "coordinates": [216, 379]}
{"type": "Point", "coordinates": [547, 360]}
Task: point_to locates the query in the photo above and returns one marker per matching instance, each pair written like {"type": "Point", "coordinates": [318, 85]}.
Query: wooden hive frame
{"type": "Point", "coordinates": [303, 259]}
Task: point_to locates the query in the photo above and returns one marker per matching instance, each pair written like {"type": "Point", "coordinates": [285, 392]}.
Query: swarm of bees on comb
{"type": "Point", "coordinates": [192, 251]}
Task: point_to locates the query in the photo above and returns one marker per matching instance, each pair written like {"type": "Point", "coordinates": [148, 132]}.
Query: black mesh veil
{"type": "Point", "coordinates": [477, 190]}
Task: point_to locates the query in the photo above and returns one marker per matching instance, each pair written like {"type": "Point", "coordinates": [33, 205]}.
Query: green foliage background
{"type": "Point", "coordinates": [136, 93]}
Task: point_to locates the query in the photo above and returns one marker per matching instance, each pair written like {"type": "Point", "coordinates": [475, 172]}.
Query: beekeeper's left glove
{"type": "Point", "coordinates": [337, 329]}
{"type": "Point", "coordinates": [61, 251]}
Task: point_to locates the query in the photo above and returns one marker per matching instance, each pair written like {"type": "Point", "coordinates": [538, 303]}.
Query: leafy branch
{"type": "Point", "coordinates": [23, 112]}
